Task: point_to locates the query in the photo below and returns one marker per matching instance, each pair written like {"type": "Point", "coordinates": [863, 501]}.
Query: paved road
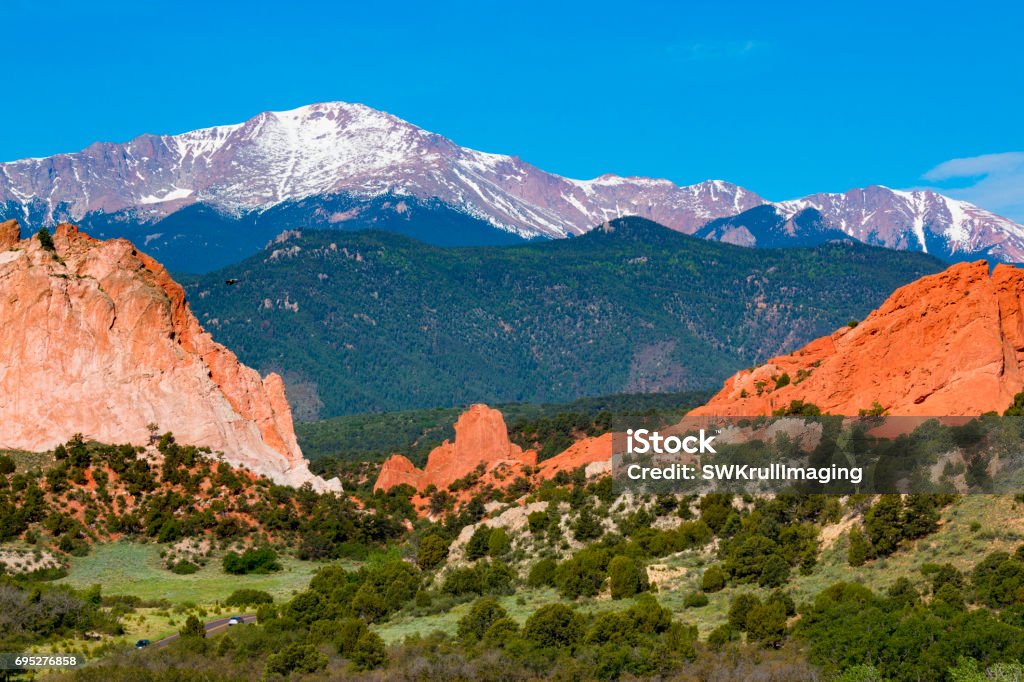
{"type": "Point", "coordinates": [211, 627]}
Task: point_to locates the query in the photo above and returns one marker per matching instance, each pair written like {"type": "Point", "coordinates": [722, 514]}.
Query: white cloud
{"type": "Point", "coordinates": [992, 181]}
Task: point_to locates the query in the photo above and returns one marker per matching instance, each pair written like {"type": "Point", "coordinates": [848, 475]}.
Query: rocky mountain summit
{"type": "Point", "coordinates": [341, 148]}
{"type": "Point", "coordinates": [96, 338]}
{"type": "Point", "coordinates": [231, 187]}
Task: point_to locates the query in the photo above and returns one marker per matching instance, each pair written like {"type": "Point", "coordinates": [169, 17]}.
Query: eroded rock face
{"type": "Point", "coordinates": [480, 438]}
{"type": "Point", "coordinates": [398, 470]}
{"type": "Point", "coordinates": [946, 345]}
{"type": "Point", "coordinates": [9, 234]}
{"type": "Point", "coordinates": [582, 453]}
{"type": "Point", "coordinates": [96, 338]}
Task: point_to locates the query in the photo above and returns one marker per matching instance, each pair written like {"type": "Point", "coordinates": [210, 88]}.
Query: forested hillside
{"type": "Point", "coordinates": [372, 321]}
{"type": "Point", "coordinates": [374, 436]}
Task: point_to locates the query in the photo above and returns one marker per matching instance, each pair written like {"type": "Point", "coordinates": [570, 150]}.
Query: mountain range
{"type": "Point", "coordinates": [209, 197]}
{"type": "Point", "coordinates": [375, 321]}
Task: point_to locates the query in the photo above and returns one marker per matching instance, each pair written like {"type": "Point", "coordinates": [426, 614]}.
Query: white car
{"type": "Point", "coordinates": [235, 620]}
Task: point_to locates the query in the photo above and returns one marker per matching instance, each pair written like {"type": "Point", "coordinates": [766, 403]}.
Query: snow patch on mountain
{"type": "Point", "coordinates": [340, 148]}
{"type": "Point", "coordinates": [346, 148]}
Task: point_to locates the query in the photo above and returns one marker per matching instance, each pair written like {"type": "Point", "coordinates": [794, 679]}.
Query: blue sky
{"type": "Point", "coordinates": [783, 98]}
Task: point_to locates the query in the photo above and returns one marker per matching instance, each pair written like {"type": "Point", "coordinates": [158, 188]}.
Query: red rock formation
{"type": "Point", "coordinates": [96, 338]}
{"type": "Point", "coordinates": [10, 233]}
{"type": "Point", "coordinates": [580, 454]}
{"type": "Point", "coordinates": [398, 470]}
{"type": "Point", "coordinates": [480, 438]}
{"type": "Point", "coordinates": [948, 344]}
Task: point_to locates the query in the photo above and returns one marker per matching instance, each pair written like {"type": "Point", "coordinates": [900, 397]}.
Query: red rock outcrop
{"type": "Point", "coordinates": [946, 345]}
{"type": "Point", "coordinates": [480, 438]}
{"type": "Point", "coordinates": [398, 470]}
{"type": "Point", "coordinates": [582, 453]}
{"type": "Point", "coordinates": [96, 338]}
{"type": "Point", "coordinates": [10, 233]}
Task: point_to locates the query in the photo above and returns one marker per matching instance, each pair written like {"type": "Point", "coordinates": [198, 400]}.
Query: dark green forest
{"type": "Point", "coordinates": [550, 427]}
{"type": "Point", "coordinates": [373, 321]}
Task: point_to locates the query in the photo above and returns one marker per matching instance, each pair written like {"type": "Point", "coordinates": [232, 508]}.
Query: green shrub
{"type": "Point", "coordinates": [775, 572]}
{"type": "Point", "coordinates": [720, 636]}
{"type": "Point", "coordinates": [745, 556]}
{"type": "Point", "coordinates": [998, 580]}
{"type": "Point", "coordinates": [482, 614]}
{"type": "Point", "coordinates": [587, 526]}
{"type": "Point", "coordinates": [784, 600]}
{"type": "Point", "coordinates": [184, 567]}
{"type": "Point", "coordinates": [538, 522]}
{"type": "Point", "coordinates": [45, 240]}
{"type": "Point", "coordinates": [248, 597]}
{"type": "Point", "coordinates": [432, 552]}
{"type": "Point", "coordinates": [860, 548]}
{"type": "Point", "coordinates": [555, 626]}
{"type": "Point", "coordinates": [766, 623]}
{"type": "Point", "coordinates": [695, 600]}
{"type": "Point", "coordinates": [479, 543]}
{"type": "Point", "coordinates": [369, 652]}
{"type": "Point", "coordinates": [258, 561]}
{"type": "Point", "coordinates": [626, 577]}
{"type": "Point", "coordinates": [500, 633]}
{"type": "Point", "coordinates": [350, 631]}
{"type": "Point", "coordinates": [462, 581]}
{"type": "Point", "coordinates": [193, 628]}
{"type": "Point", "coordinates": [883, 524]}
{"type": "Point", "coordinates": [498, 545]}
{"type": "Point", "coordinates": [902, 593]}
{"type": "Point", "coordinates": [542, 574]}
{"type": "Point", "coordinates": [582, 575]}
{"type": "Point", "coordinates": [295, 658]}
{"type": "Point", "coordinates": [497, 577]}
{"type": "Point", "coordinates": [713, 579]}
{"type": "Point", "coordinates": [740, 607]}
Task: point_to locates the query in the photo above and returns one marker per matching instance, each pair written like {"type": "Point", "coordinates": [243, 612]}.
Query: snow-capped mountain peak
{"type": "Point", "coordinates": [337, 147]}
{"type": "Point", "coordinates": [920, 220]}
{"type": "Point", "coordinates": [351, 150]}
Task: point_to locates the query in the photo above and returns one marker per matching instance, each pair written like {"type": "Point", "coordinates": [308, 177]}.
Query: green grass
{"type": "Point", "coordinates": [25, 461]}
{"type": "Point", "coordinates": [137, 570]}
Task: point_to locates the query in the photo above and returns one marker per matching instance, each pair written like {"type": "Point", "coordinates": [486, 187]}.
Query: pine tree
{"type": "Point", "coordinates": [920, 517]}
{"type": "Point", "coordinates": [479, 543]}
{"type": "Point", "coordinates": [883, 524]}
{"type": "Point", "coordinates": [193, 627]}
{"type": "Point", "coordinates": [587, 526]}
{"type": "Point", "coordinates": [860, 548]}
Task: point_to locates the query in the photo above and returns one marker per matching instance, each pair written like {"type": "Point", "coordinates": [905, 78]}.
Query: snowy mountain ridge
{"type": "Point", "coordinates": [338, 148]}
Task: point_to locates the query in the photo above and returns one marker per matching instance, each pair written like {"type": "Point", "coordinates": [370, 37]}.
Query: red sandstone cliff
{"type": "Point", "coordinates": [948, 344]}
{"type": "Point", "coordinates": [96, 338]}
{"type": "Point", "coordinates": [582, 453]}
{"type": "Point", "coordinates": [481, 437]}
